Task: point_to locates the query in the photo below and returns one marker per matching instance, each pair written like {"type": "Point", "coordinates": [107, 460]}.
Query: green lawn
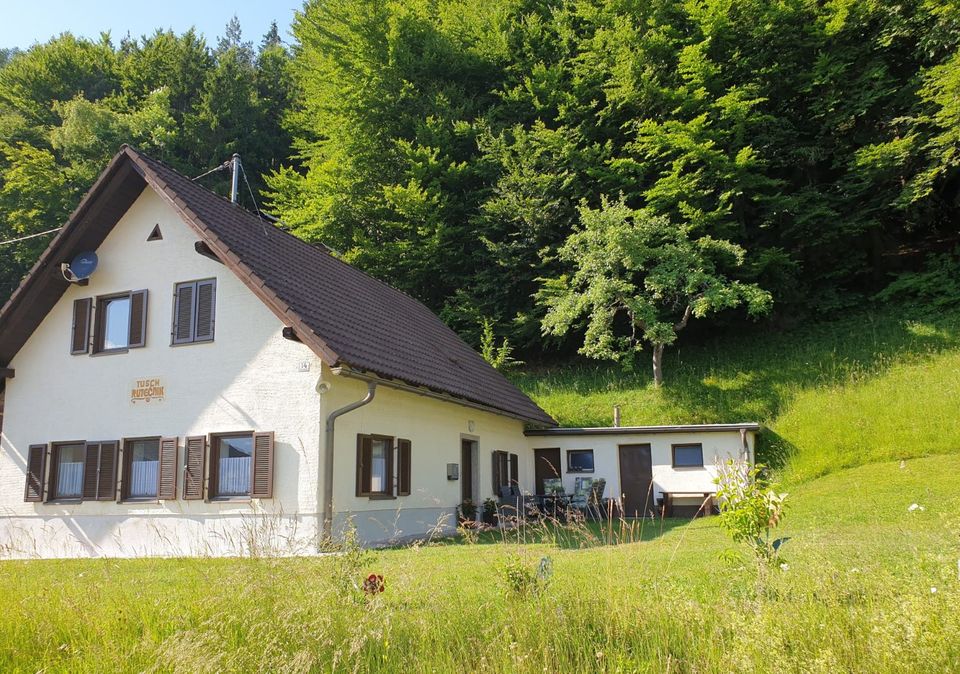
{"type": "Point", "coordinates": [873, 386]}
{"type": "Point", "coordinates": [858, 596]}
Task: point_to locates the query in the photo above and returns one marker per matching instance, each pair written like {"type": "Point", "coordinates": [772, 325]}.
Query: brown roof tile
{"type": "Point", "coordinates": [348, 317]}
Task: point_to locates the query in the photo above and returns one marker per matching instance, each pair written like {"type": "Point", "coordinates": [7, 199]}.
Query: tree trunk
{"type": "Point", "coordinates": [658, 365]}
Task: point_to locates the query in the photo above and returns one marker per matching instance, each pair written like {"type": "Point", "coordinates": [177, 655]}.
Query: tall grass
{"type": "Point", "coordinates": [872, 386]}
{"type": "Point", "coordinates": [856, 597]}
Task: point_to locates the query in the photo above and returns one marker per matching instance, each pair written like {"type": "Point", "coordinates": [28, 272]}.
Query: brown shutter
{"type": "Point", "coordinates": [403, 449]}
{"type": "Point", "coordinates": [262, 480]}
{"type": "Point", "coordinates": [80, 332]}
{"type": "Point", "coordinates": [90, 465]}
{"type": "Point", "coordinates": [107, 474]}
{"type": "Point", "coordinates": [195, 449]}
{"type": "Point", "coordinates": [497, 478]}
{"type": "Point", "coordinates": [36, 461]}
{"type": "Point", "coordinates": [183, 313]}
{"type": "Point", "coordinates": [138, 319]}
{"type": "Point", "coordinates": [167, 473]}
{"type": "Point", "coordinates": [514, 470]}
{"type": "Point", "coordinates": [364, 453]}
{"type": "Point", "coordinates": [206, 310]}
{"type": "Point", "coordinates": [51, 474]}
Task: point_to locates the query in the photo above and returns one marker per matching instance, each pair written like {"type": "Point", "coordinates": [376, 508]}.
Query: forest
{"type": "Point", "coordinates": [563, 174]}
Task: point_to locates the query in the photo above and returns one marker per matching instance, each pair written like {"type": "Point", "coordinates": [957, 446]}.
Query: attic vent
{"type": "Point", "coordinates": [155, 235]}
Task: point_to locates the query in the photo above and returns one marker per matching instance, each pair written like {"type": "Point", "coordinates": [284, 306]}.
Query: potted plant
{"type": "Point", "coordinates": [490, 511]}
{"type": "Point", "coordinates": [468, 511]}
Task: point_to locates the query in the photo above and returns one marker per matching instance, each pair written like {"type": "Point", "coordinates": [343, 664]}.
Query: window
{"type": "Point", "coordinates": [67, 471]}
{"type": "Point", "coordinates": [383, 466]}
{"type": "Point", "coordinates": [231, 465]}
{"type": "Point", "coordinates": [580, 461]}
{"type": "Point", "coordinates": [688, 456]}
{"type": "Point", "coordinates": [194, 310]}
{"type": "Point", "coordinates": [142, 468]}
{"type": "Point", "coordinates": [241, 466]}
{"type": "Point", "coordinates": [120, 323]}
{"type": "Point", "coordinates": [506, 468]}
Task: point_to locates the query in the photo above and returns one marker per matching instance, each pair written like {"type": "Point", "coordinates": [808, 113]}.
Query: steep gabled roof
{"type": "Point", "coordinates": [345, 316]}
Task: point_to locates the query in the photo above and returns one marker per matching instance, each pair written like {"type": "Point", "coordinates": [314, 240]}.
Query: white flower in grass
{"type": "Point", "coordinates": [933, 590]}
{"type": "Point", "coordinates": [915, 507]}
{"type": "Point", "coordinates": [784, 567]}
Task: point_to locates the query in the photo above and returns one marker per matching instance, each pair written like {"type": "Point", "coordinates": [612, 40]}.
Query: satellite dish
{"type": "Point", "coordinates": [81, 267]}
{"type": "Point", "coordinates": [84, 264]}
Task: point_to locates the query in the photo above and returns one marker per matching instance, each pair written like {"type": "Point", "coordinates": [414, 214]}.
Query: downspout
{"type": "Point", "coordinates": [327, 493]}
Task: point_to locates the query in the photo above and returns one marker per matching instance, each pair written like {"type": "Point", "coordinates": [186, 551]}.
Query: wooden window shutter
{"type": "Point", "coordinates": [167, 473]}
{"type": "Point", "coordinates": [194, 459]}
{"type": "Point", "coordinates": [138, 319]}
{"type": "Point", "coordinates": [514, 469]}
{"type": "Point", "coordinates": [51, 473]}
{"type": "Point", "coordinates": [403, 450]}
{"type": "Point", "coordinates": [364, 454]}
{"type": "Point", "coordinates": [107, 472]}
{"type": "Point", "coordinates": [497, 477]}
{"type": "Point", "coordinates": [36, 462]}
{"type": "Point", "coordinates": [80, 332]}
{"type": "Point", "coordinates": [206, 310]}
{"type": "Point", "coordinates": [183, 313]}
{"type": "Point", "coordinates": [90, 465]}
{"type": "Point", "coordinates": [262, 479]}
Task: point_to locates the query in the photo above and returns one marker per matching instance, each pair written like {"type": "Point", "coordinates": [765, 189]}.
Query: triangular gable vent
{"type": "Point", "coordinates": [156, 234]}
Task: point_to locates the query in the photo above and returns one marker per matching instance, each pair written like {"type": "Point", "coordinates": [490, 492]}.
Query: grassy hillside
{"type": "Point", "coordinates": [871, 586]}
{"type": "Point", "coordinates": [870, 387]}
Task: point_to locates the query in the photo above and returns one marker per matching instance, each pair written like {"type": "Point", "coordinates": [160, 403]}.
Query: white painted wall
{"type": "Point", "coordinates": [247, 379]}
{"type": "Point", "coordinates": [435, 429]}
{"type": "Point", "coordinates": [717, 447]}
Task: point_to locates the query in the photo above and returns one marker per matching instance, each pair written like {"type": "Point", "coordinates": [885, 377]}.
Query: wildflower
{"type": "Point", "coordinates": [784, 567]}
{"type": "Point", "coordinates": [374, 584]}
{"type": "Point", "coordinates": [933, 590]}
{"type": "Point", "coordinates": [914, 507]}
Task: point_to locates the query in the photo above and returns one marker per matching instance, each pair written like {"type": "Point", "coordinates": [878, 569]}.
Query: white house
{"type": "Point", "coordinates": [220, 387]}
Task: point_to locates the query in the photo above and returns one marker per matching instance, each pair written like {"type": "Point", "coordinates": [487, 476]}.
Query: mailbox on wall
{"type": "Point", "coordinates": [453, 471]}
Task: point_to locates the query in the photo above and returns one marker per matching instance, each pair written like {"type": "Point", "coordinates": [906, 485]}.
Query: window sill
{"type": "Point", "coordinates": [381, 497]}
{"type": "Point", "coordinates": [139, 501]}
{"type": "Point", "coordinates": [687, 467]}
{"type": "Point", "coordinates": [571, 472]}
{"type": "Point", "coordinates": [108, 352]}
{"type": "Point", "coordinates": [229, 499]}
{"type": "Point", "coordinates": [64, 501]}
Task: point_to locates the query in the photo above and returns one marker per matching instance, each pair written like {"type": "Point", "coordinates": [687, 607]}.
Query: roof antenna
{"type": "Point", "coordinates": [235, 179]}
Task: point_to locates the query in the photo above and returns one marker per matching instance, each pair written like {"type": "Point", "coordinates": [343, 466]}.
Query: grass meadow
{"type": "Point", "coordinates": [870, 585]}
{"type": "Point", "coordinates": [873, 386]}
{"type": "Point", "coordinates": [860, 419]}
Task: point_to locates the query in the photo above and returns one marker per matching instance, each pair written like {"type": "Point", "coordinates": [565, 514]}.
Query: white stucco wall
{"type": "Point", "coordinates": [435, 429]}
{"type": "Point", "coordinates": [717, 447]}
{"type": "Point", "coordinates": [249, 378]}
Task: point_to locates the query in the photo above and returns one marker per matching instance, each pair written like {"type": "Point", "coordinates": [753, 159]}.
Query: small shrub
{"type": "Point", "coordinates": [498, 356]}
{"type": "Point", "coordinates": [523, 578]}
{"type": "Point", "coordinates": [937, 286]}
{"type": "Point", "coordinates": [750, 508]}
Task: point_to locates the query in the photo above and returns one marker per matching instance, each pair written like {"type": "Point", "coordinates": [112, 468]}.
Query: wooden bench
{"type": "Point", "coordinates": [706, 504]}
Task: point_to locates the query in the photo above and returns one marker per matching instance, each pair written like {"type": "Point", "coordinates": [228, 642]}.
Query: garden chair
{"type": "Point", "coordinates": [581, 493]}
{"type": "Point", "coordinates": [595, 502]}
{"type": "Point", "coordinates": [554, 496]}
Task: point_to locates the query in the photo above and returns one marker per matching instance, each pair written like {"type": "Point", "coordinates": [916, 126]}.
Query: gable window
{"type": "Point", "coordinates": [383, 466]}
{"type": "Point", "coordinates": [194, 311]}
{"type": "Point", "coordinates": [580, 461]}
{"type": "Point", "coordinates": [688, 456]}
{"type": "Point", "coordinates": [120, 323]}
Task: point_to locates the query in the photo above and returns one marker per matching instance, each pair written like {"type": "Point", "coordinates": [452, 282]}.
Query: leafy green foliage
{"type": "Point", "coordinates": [750, 508]}
{"type": "Point", "coordinates": [936, 287]}
{"type": "Point", "coordinates": [655, 273]}
{"type": "Point", "coordinates": [498, 355]}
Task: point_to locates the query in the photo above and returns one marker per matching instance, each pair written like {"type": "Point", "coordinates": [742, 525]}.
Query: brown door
{"type": "Point", "coordinates": [636, 479]}
{"type": "Point", "coordinates": [546, 465]}
{"type": "Point", "coordinates": [466, 470]}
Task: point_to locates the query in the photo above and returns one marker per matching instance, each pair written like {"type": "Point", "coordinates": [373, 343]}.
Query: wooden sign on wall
{"type": "Point", "coordinates": [150, 389]}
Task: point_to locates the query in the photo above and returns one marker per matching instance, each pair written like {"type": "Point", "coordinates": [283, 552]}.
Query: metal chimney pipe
{"type": "Point", "coordinates": [616, 416]}
{"type": "Point", "coordinates": [235, 178]}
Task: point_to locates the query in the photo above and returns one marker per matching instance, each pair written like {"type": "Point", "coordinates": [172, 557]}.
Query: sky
{"type": "Point", "coordinates": [25, 22]}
